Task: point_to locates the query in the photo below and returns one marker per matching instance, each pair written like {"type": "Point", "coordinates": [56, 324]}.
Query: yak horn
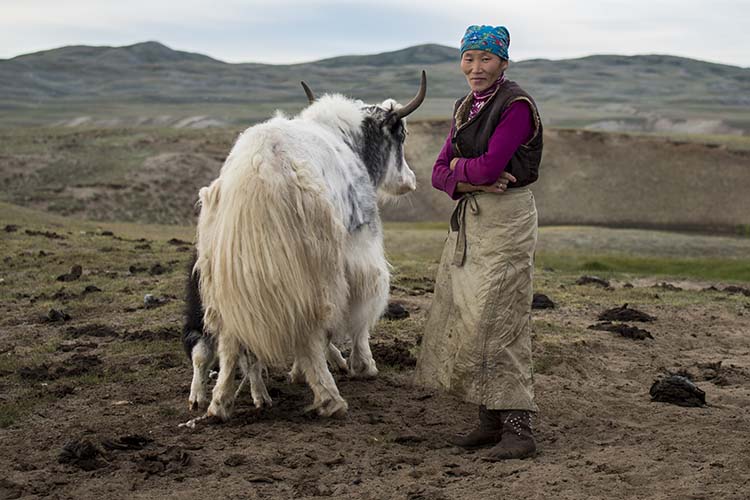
{"type": "Point", "coordinates": [308, 93]}
{"type": "Point", "coordinates": [414, 103]}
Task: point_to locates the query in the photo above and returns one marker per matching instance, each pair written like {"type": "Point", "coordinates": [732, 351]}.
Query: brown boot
{"type": "Point", "coordinates": [517, 437]}
{"type": "Point", "coordinates": [488, 432]}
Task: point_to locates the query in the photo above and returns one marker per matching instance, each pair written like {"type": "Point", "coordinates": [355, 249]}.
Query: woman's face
{"type": "Point", "coordinates": [481, 68]}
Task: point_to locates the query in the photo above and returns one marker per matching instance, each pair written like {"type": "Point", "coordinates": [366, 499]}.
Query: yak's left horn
{"type": "Point", "coordinates": [308, 93]}
{"type": "Point", "coordinates": [418, 99]}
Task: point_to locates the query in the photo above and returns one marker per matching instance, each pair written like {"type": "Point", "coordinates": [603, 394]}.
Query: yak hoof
{"type": "Point", "coordinates": [197, 404]}
{"type": "Point", "coordinates": [330, 408]}
{"type": "Point", "coordinates": [218, 411]}
{"type": "Point", "coordinates": [264, 401]}
{"type": "Point", "coordinates": [363, 369]}
{"type": "Point", "coordinates": [342, 366]}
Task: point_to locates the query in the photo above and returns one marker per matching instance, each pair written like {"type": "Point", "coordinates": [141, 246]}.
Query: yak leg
{"type": "Point", "coordinates": [203, 357]}
{"type": "Point", "coordinates": [365, 308]}
{"type": "Point", "coordinates": [295, 375]}
{"type": "Point", "coordinates": [311, 359]}
{"type": "Point", "coordinates": [224, 391]}
{"type": "Point", "coordinates": [334, 357]}
{"type": "Point", "coordinates": [252, 371]}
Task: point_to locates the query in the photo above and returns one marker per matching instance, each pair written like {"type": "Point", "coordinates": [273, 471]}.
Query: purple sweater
{"type": "Point", "coordinates": [514, 128]}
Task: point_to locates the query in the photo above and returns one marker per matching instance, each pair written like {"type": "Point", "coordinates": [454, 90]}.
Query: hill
{"type": "Point", "coordinates": [150, 175]}
{"type": "Point", "coordinates": [149, 83]}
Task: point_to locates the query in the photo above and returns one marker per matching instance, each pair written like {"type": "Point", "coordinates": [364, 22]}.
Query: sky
{"type": "Point", "coordinates": [289, 31]}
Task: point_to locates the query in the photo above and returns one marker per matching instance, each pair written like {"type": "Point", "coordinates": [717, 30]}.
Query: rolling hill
{"type": "Point", "coordinates": [152, 175]}
{"type": "Point", "coordinates": [151, 84]}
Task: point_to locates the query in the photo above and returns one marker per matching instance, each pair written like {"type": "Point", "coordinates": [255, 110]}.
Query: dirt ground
{"type": "Point", "coordinates": [90, 406]}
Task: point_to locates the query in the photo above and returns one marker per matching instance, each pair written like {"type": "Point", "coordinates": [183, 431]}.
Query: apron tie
{"type": "Point", "coordinates": [458, 223]}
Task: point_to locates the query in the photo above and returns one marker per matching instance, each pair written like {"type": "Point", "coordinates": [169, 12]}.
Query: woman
{"type": "Point", "coordinates": [477, 341]}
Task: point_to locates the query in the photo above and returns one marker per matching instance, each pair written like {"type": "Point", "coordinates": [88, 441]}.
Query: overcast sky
{"type": "Point", "coordinates": [284, 31]}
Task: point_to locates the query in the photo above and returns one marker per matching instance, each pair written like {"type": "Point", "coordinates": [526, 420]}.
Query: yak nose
{"type": "Point", "coordinates": [409, 182]}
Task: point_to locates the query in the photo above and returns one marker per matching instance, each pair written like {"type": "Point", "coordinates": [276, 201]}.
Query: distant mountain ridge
{"type": "Point", "coordinates": [140, 53]}
{"type": "Point", "coordinates": [130, 84]}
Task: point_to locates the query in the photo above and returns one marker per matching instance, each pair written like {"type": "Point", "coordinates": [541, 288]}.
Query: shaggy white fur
{"type": "Point", "coordinates": [278, 267]}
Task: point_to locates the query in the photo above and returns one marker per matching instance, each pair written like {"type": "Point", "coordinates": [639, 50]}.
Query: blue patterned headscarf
{"type": "Point", "coordinates": [495, 39]}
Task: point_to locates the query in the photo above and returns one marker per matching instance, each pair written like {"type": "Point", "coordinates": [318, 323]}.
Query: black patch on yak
{"type": "Point", "coordinates": [380, 134]}
{"type": "Point", "coordinates": [192, 330]}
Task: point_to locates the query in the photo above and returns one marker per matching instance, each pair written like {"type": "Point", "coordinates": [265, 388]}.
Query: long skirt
{"type": "Point", "coordinates": [477, 340]}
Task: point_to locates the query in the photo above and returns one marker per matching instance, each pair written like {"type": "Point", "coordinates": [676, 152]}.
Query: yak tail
{"type": "Point", "coordinates": [269, 253]}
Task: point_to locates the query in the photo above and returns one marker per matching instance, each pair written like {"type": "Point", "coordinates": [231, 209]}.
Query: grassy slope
{"type": "Point", "coordinates": [148, 80]}
{"type": "Point", "coordinates": [153, 175]}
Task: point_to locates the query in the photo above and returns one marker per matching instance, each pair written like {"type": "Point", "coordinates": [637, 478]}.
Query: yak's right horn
{"type": "Point", "coordinates": [414, 103]}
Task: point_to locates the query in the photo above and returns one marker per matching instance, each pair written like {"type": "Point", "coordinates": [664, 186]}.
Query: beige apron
{"type": "Point", "coordinates": [477, 340]}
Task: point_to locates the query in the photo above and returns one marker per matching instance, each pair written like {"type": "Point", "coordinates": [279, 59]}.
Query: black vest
{"type": "Point", "coordinates": [471, 138]}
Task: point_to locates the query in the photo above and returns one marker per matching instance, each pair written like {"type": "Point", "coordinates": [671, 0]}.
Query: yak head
{"type": "Point", "coordinates": [379, 142]}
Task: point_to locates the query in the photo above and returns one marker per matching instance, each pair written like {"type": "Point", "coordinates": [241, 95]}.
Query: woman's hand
{"type": "Point", "coordinates": [453, 163]}
{"type": "Point", "coordinates": [499, 186]}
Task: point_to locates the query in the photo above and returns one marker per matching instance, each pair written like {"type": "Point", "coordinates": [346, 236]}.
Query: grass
{"type": "Point", "coordinates": [727, 269]}
{"type": "Point", "coordinates": [28, 287]}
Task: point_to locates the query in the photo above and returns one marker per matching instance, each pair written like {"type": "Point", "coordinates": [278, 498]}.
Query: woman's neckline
{"type": "Point", "coordinates": [484, 94]}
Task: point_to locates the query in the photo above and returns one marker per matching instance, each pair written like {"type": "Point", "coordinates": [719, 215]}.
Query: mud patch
{"type": "Point", "coordinates": [47, 234]}
{"type": "Point", "coordinates": [170, 460]}
{"type": "Point", "coordinates": [178, 242]}
{"type": "Point", "coordinates": [157, 269]}
{"type": "Point", "coordinates": [627, 331]}
{"type": "Point", "coordinates": [669, 287]}
{"type": "Point", "coordinates": [541, 301]}
{"type": "Point", "coordinates": [127, 443]}
{"type": "Point", "coordinates": [623, 313]}
{"type": "Point", "coordinates": [677, 390]}
{"type": "Point", "coordinates": [83, 454]}
{"type": "Point", "coordinates": [737, 290]}
{"type": "Point", "coordinates": [56, 316]}
{"type": "Point", "coordinates": [61, 390]}
{"type": "Point", "coordinates": [397, 354]}
{"type": "Point", "coordinates": [716, 372]}
{"type": "Point", "coordinates": [395, 311]}
{"type": "Point", "coordinates": [235, 460]}
{"type": "Point", "coordinates": [74, 274]}
{"type": "Point", "coordinates": [593, 280]}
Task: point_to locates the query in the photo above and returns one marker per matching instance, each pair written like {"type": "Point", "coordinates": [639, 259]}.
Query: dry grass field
{"type": "Point", "coordinates": [113, 380]}
{"type": "Point", "coordinates": [593, 178]}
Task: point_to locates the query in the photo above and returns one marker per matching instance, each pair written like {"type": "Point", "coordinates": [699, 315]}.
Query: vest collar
{"type": "Point", "coordinates": [462, 112]}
